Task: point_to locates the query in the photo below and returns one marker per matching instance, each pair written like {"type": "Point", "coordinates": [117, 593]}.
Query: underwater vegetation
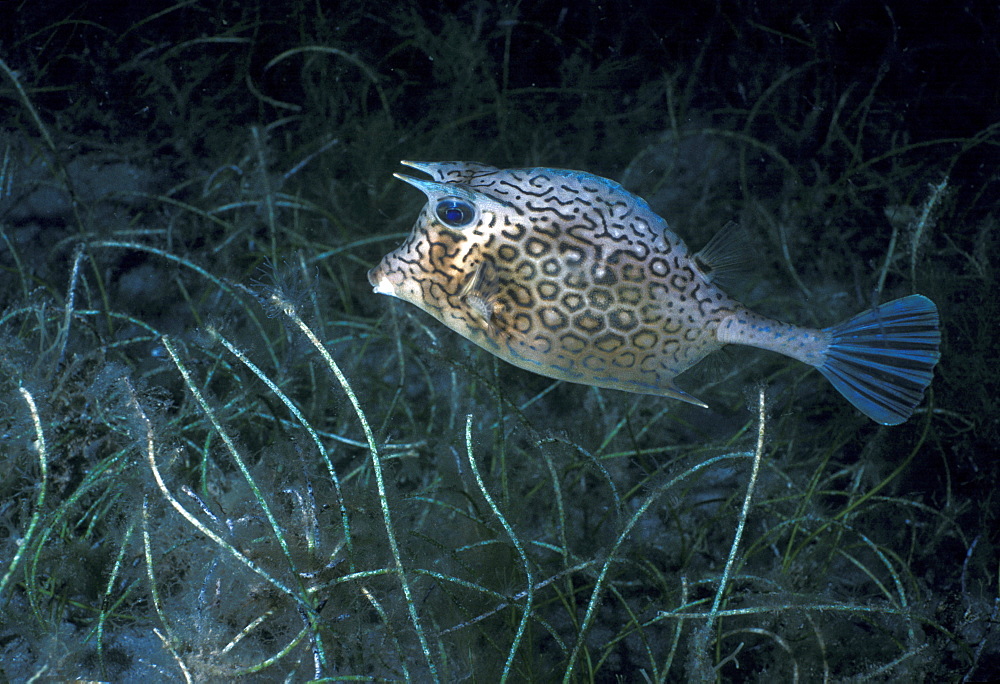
{"type": "Point", "coordinates": [224, 458]}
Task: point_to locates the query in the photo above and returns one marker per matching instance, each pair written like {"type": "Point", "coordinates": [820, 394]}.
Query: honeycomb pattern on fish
{"type": "Point", "coordinates": [569, 275]}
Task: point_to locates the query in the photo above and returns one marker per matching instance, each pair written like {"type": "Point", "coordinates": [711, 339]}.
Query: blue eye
{"type": "Point", "coordinates": [455, 213]}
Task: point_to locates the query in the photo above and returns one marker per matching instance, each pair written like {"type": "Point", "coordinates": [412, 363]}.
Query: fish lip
{"type": "Point", "coordinates": [376, 278]}
{"type": "Point", "coordinates": [380, 283]}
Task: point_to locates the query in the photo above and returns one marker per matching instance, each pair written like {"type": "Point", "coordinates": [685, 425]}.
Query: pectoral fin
{"type": "Point", "coordinates": [480, 294]}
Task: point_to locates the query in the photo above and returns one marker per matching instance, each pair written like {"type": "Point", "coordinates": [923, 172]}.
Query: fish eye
{"type": "Point", "coordinates": [455, 213]}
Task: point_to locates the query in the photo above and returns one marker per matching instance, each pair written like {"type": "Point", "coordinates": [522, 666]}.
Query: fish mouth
{"type": "Point", "coordinates": [379, 282]}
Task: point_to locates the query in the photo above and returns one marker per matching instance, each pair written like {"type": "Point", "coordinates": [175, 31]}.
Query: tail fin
{"type": "Point", "coordinates": [882, 360]}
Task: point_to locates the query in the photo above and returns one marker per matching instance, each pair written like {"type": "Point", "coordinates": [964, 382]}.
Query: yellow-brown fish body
{"type": "Point", "coordinates": [569, 275]}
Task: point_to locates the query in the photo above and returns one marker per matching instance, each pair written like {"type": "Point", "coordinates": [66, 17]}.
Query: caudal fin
{"type": "Point", "coordinates": [882, 360]}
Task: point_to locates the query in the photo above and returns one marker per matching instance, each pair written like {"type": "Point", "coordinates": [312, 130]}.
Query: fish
{"type": "Point", "coordinates": [571, 276]}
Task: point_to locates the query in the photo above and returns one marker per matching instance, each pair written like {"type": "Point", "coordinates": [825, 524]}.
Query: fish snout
{"type": "Point", "coordinates": [380, 281]}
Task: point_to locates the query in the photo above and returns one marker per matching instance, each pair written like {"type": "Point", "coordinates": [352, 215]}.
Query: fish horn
{"type": "Point", "coordinates": [435, 190]}
{"type": "Point", "coordinates": [451, 171]}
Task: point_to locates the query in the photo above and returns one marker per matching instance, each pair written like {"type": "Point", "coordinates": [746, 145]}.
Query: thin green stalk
{"type": "Point", "coordinates": [150, 449]}
{"type": "Point", "coordinates": [294, 410]}
{"type": "Point", "coordinates": [602, 577]}
{"type": "Point", "coordinates": [388, 626]}
{"type": "Point", "coordinates": [170, 641]}
{"type": "Point", "coordinates": [289, 310]}
{"type": "Point", "coordinates": [526, 614]}
{"type": "Point", "coordinates": [265, 180]}
{"type": "Point", "coordinates": [703, 636]}
{"type": "Point", "coordinates": [106, 609]}
{"type": "Point", "coordinates": [43, 469]}
{"type": "Point", "coordinates": [279, 534]}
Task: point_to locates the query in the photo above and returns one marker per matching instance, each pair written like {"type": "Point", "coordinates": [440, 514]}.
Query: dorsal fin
{"type": "Point", "coordinates": [726, 256]}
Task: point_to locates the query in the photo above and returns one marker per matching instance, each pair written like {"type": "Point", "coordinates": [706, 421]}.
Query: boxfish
{"type": "Point", "coordinates": [571, 276]}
